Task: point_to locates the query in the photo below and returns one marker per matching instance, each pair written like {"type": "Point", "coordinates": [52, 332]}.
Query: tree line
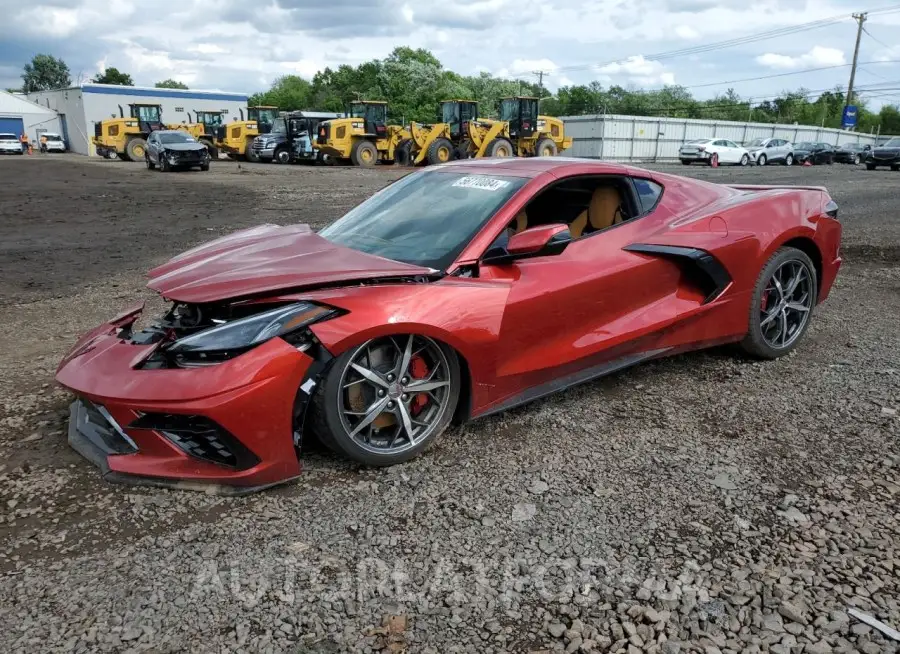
{"type": "Point", "coordinates": [413, 82]}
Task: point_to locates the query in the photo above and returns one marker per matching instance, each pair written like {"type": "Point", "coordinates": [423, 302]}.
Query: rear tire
{"type": "Point", "coordinates": [135, 149]}
{"type": "Point", "coordinates": [756, 342]}
{"type": "Point", "coordinates": [440, 151]}
{"type": "Point", "coordinates": [857, 160]}
{"type": "Point", "coordinates": [745, 160]}
{"type": "Point", "coordinates": [500, 147]}
{"type": "Point", "coordinates": [546, 147]}
{"type": "Point", "coordinates": [364, 154]}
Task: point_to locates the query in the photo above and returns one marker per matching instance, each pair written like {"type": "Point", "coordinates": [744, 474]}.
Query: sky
{"type": "Point", "coordinates": [243, 45]}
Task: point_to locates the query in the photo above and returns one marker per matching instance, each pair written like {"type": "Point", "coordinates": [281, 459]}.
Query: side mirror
{"type": "Point", "coordinates": [541, 241]}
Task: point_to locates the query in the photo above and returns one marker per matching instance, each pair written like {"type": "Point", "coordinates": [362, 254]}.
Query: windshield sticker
{"type": "Point", "coordinates": [481, 182]}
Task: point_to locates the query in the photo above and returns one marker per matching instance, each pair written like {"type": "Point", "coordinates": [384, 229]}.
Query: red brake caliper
{"type": "Point", "coordinates": [418, 369]}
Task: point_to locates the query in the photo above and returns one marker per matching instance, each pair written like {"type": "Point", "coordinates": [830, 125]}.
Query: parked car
{"type": "Point", "coordinates": [713, 152]}
{"type": "Point", "coordinates": [885, 155]}
{"type": "Point", "coordinates": [771, 150]}
{"type": "Point", "coordinates": [412, 311]}
{"type": "Point", "coordinates": [852, 153]}
{"type": "Point", "coordinates": [10, 144]}
{"type": "Point", "coordinates": [52, 142]}
{"type": "Point", "coordinates": [813, 152]}
{"type": "Point", "coordinates": [174, 149]}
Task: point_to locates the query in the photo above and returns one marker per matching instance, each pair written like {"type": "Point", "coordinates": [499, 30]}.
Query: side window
{"type": "Point", "coordinates": [731, 144]}
{"type": "Point", "coordinates": [720, 143]}
{"type": "Point", "coordinates": [648, 192]}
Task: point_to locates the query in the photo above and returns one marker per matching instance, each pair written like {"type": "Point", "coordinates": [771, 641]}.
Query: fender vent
{"type": "Point", "coordinates": [700, 266]}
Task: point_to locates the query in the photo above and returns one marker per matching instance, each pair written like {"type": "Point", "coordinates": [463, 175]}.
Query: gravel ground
{"type": "Point", "coordinates": [704, 503]}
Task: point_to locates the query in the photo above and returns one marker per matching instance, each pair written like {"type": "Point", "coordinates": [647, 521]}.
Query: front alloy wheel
{"type": "Point", "coordinates": [782, 304]}
{"type": "Point", "coordinates": [386, 400]}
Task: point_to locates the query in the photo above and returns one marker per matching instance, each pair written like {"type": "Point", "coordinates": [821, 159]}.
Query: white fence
{"type": "Point", "coordinates": [614, 137]}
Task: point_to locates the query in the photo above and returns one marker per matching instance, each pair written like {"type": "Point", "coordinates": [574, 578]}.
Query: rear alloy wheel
{"type": "Point", "coordinates": [386, 400]}
{"type": "Point", "coordinates": [782, 304]}
{"type": "Point", "coordinates": [789, 160]}
{"type": "Point", "coordinates": [762, 160]}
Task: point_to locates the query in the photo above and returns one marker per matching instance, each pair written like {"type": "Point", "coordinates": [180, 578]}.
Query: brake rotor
{"type": "Point", "coordinates": [361, 396]}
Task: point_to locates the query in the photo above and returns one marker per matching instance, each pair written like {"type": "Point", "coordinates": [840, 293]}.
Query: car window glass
{"type": "Point", "coordinates": [719, 143]}
{"type": "Point", "coordinates": [648, 192]}
{"type": "Point", "coordinates": [731, 144]}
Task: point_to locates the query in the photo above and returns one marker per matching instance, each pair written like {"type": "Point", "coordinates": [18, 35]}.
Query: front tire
{"type": "Point", "coordinates": [364, 154]}
{"type": "Point", "coordinates": [745, 160]}
{"type": "Point", "coordinates": [440, 151]}
{"type": "Point", "coordinates": [762, 160]}
{"type": "Point", "coordinates": [870, 166]}
{"type": "Point", "coordinates": [136, 149]}
{"type": "Point", "coordinates": [150, 164]}
{"type": "Point", "coordinates": [387, 400]}
{"type": "Point", "coordinates": [857, 160]}
{"type": "Point", "coordinates": [546, 147]}
{"type": "Point", "coordinates": [282, 156]}
{"type": "Point", "coordinates": [782, 304]}
{"type": "Point", "coordinates": [500, 148]}
{"type": "Point", "coordinates": [249, 154]}
{"type": "Point", "coordinates": [789, 160]}
{"type": "Point", "coordinates": [685, 162]}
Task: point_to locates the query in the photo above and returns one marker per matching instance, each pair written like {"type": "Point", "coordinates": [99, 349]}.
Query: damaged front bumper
{"type": "Point", "coordinates": [230, 428]}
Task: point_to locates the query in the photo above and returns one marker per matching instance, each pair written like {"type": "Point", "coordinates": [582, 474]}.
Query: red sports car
{"type": "Point", "coordinates": [456, 292]}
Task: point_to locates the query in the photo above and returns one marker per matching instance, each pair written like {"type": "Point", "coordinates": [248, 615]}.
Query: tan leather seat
{"type": "Point", "coordinates": [521, 222]}
{"type": "Point", "coordinates": [604, 211]}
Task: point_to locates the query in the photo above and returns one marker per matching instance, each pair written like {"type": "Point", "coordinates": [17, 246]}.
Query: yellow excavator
{"type": "Point", "coordinates": [125, 137]}
{"type": "Point", "coordinates": [519, 131]}
{"type": "Point", "coordinates": [363, 137]}
{"type": "Point", "coordinates": [236, 138]}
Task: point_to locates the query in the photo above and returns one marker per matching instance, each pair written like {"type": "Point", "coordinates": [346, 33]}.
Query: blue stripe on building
{"type": "Point", "coordinates": [164, 93]}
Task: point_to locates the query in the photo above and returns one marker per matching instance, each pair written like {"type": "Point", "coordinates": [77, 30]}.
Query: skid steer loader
{"type": "Point", "coordinates": [363, 137]}
{"type": "Point", "coordinates": [125, 137]}
{"type": "Point", "coordinates": [442, 141]}
{"type": "Point", "coordinates": [236, 138]}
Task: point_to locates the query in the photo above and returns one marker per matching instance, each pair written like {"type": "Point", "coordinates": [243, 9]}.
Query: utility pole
{"type": "Point", "coordinates": [860, 19]}
{"type": "Point", "coordinates": [540, 75]}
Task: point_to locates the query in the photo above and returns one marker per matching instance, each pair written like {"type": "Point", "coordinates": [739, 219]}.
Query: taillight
{"type": "Point", "coordinates": [831, 209]}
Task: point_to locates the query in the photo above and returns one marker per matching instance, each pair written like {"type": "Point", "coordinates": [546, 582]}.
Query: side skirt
{"type": "Point", "coordinates": [573, 379]}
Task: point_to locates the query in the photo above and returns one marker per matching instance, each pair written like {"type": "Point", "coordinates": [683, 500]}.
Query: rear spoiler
{"type": "Point", "coordinates": [776, 187]}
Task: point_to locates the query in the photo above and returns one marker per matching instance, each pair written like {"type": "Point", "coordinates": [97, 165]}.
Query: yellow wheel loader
{"type": "Point", "coordinates": [443, 141]}
{"type": "Point", "coordinates": [126, 137]}
{"type": "Point", "coordinates": [204, 129]}
{"type": "Point", "coordinates": [236, 138]}
{"type": "Point", "coordinates": [363, 137]}
{"type": "Point", "coordinates": [520, 131]}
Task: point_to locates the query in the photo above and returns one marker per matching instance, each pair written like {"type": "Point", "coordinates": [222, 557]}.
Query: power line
{"type": "Point", "coordinates": [708, 47]}
{"type": "Point", "coordinates": [879, 41]}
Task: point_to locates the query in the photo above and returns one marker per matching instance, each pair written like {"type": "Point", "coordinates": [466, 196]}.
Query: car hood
{"type": "Point", "coordinates": [887, 152]}
{"type": "Point", "coordinates": [183, 147]}
{"type": "Point", "coordinates": [265, 259]}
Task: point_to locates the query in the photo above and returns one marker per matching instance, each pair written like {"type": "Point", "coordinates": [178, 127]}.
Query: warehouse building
{"type": "Point", "coordinates": [18, 115]}
{"type": "Point", "coordinates": [80, 107]}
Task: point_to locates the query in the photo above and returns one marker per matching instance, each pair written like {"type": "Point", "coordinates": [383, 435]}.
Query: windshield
{"type": "Point", "coordinates": [209, 118]}
{"type": "Point", "coordinates": [376, 113]}
{"type": "Point", "coordinates": [426, 218]}
{"type": "Point", "coordinates": [176, 138]}
{"type": "Point", "coordinates": [698, 141]}
{"type": "Point", "coordinates": [805, 145]}
{"type": "Point", "coordinates": [450, 112]}
{"type": "Point", "coordinates": [509, 109]}
{"type": "Point", "coordinates": [893, 143]}
{"type": "Point", "coordinates": [8, 137]}
{"type": "Point", "coordinates": [756, 143]}
{"type": "Point", "coordinates": [145, 113]}
{"type": "Point", "coordinates": [52, 137]}
{"type": "Point", "coordinates": [279, 127]}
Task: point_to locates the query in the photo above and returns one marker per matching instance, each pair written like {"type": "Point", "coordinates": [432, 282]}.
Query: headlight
{"type": "Point", "coordinates": [239, 335]}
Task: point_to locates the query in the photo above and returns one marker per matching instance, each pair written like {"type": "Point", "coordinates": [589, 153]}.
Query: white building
{"type": "Point", "coordinates": [80, 107]}
{"type": "Point", "coordinates": [18, 115]}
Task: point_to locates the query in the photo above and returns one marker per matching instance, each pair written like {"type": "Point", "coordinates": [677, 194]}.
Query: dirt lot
{"type": "Point", "coordinates": [704, 503]}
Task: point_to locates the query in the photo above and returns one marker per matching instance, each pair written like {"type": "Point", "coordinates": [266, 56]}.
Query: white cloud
{"type": "Point", "coordinates": [639, 70]}
{"type": "Point", "coordinates": [686, 32]}
{"type": "Point", "coordinates": [817, 57]}
{"type": "Point", "coordinates": [520, 66]}
{"type": "Point", "coordinates": [208, 48]}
